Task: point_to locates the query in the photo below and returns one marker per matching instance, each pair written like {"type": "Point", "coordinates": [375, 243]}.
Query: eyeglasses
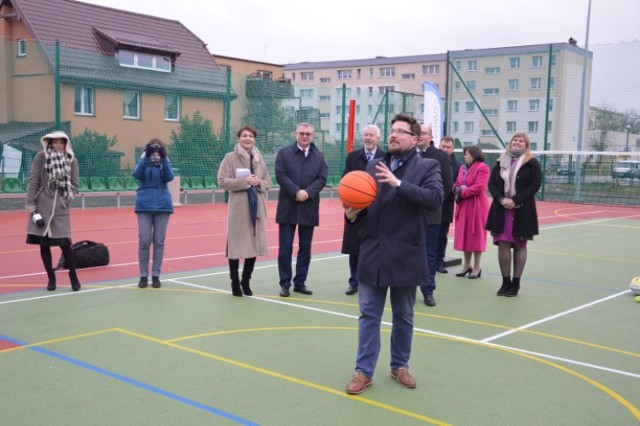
{"type": "Point", "coordinates": [305, 134]}
{"type": "Point", "coordinates": [400, 132]}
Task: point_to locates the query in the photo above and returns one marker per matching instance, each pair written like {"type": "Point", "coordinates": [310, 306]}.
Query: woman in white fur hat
{"type": "Point", "coordinates": [53, 183]}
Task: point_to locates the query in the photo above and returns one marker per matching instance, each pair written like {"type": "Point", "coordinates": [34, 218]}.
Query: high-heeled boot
{"type": "Point", "coordinates": [51, 285]}
{"type": "Point", "coordinates": [513, 288]}
{"type": "Point", "coordinates": [75, 282]}
{"type": "Point", "coordinates": [235, 278]}
{"type": "Point", "coordinates": [247, 270]}
{"type": "Point", "coordinates": [506, 283]}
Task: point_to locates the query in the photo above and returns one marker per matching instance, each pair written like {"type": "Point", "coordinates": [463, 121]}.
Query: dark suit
{"type": "Point", "coordinates": [447, 213]}
{"type": "Point", "coordinates": [434, 217]}
{"type": "Point", "coordinates": [356, 160]}
{"type": "Point", "coordinates": [294, 172]}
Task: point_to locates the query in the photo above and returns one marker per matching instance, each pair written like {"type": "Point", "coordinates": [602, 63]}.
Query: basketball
{"type": "Point", "coordinates": [357, 189]}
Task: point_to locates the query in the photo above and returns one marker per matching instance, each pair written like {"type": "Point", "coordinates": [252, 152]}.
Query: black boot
{"type": "Point", "coordinates": [75, 283]}
{"type": "Point", "coordinates": [506, 283]}
{"type": "Point", "coordinates": [247, 270]}
{"type": "Point", "coordinates": [155, 282]}
{"type": "Point", "coordinates": [235, 278]}
{"type": "Point", "coordinates": [51, 285]}
{"type": "Point", "coordinates": [513, 288]}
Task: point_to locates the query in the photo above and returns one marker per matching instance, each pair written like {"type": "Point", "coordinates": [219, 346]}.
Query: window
{"type": "Point", "coordinates": [370, 91]}
{"type": "Point", "coordinates": [456, 106]}
{"type": "Point", "coordinates": [128, 58]}
{"type": "Point", "coordinates": [325, 79]}
{"type": "Point", "coordinates": [513, 84]}
{"type": "Point", "coordinates": [550, 105]}
{"type": "Point", "coordinates": [369, 109]}
{"type": "Point", "coordinates": [468, 126]}
{"type": "Point", "coordinates": [536, 83]}
{"type": "Point", "coordinates": [469, 106]}
{"type": "Point", "coordinates": [487, 133]}
{"type": "Point", "coordinates": [324, 98]}
{"type": "Point", "coordinates": [131, 104]}
{"type": "Point", "coordinates": [387, 72]}
{"type": "Point", "coordinates": [533, 126]}
{"type": "Point", "coordinates": [22, 47]}
{"type": "Point", "coordinates": [431, 69]}
{"type": "Point", "coordinates": [552, 83]}
{"type": "Point", "coordinates": [359, 73]}
{"type": "Point", "coordinates": [511, 126]}
{"type": "Point", "coordinates": [358, 90]}
{"type": "Point", "coordinates": [339, 109]}
{"type": "Point", "coordinates": [384, 89]}
{"type": "Point", "coordinates": [338, 127]}
{"type": "Point", "coordinates": [370, 72]}
{"type": "Point", "coordinates": [534, 146]}
{"type": "Point", "coordinates": [492, 91]}
{"type": "Point", "coordinates": [306, 93]}
{"type": "Point", "coordinates": [410, 76]}
{"type": "Point", "coordinates": [83, 104]}
{"type": "Point", "coordinates": [344, 74]}
{"type": "Point", "coordinates": [492, 70]}
{"type": "Point", "coordinates": [325, 115]}
{"type": "Point", "coordinates": [171, 107]}
{"type": "Point", "coordinates": [553, 60]}
{"type": "Point", "coordinates": [472, 65]}
{"type": "Point", "coordinates": [534, 104]}
{"type": "Point", "coordinates": [536, 61]}
{"type": "Point", "coordinates": [456, 86]}
{"type": "Point", "coordinates": [471, 85]}
{"type": "Point", "coordinates": [514, 63]}
{"type": "Point", "coordinates": [549, 126]}
{"type": "Point", "coordinates": [455, 126]}
{"type": "Point", "coordinates": [491, 112]}
{"type": "Point", "coordinates": [458, 65]}
{"type": "Point", "coordinates": [339, 92]}
{"type": "Point", "coordinates": [512, 106]}
{"type": "Point", "coordinates": [306, 76]}
{"type": "Point", "coordinates": [266, 75]}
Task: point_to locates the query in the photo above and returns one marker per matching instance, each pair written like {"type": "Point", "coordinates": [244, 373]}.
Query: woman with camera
{"type": "Point", "coordinates": [244, 174]}
{"type": "Point", "coordinates": [53, 183]}
{"type": "Point", "coordinates": [470, 192]}
{"type": "Point", "coordinates": [153, 208]}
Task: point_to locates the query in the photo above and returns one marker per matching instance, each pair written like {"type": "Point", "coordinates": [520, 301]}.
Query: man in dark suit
{"type": "Point", "coordinates": [391, 240]}
{"type": "Point", "coordinates": [434, 217]}
{"type": "Point", "coordinates": [447, 145]}
{"type": "Point", "coordinates": [301, 172]}
{"type": "Point", "coordinates": [357, 160]}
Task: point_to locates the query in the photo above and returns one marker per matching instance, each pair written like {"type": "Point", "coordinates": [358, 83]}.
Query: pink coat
{"type": "Point", "coordinates": [471, 214]}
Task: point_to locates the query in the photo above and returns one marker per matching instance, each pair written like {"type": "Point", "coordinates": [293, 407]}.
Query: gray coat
{"type": "Point", "coordinates": [294, 172]}
{"type": "Point", "coordinates": [54, 209]}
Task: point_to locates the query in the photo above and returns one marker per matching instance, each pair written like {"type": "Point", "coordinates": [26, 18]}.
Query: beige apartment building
{"type": "Point", "coordinates": [487, 94]}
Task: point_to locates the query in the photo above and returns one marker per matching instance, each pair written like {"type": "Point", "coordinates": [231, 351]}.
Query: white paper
{"type": "Point", "coordinates": [242, 173]}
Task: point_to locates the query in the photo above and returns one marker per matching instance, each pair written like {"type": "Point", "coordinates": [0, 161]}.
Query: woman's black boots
{"type": "Point", "coordinates": [235, 278]}
{"type": "Point", "coordinates": [247, 270]}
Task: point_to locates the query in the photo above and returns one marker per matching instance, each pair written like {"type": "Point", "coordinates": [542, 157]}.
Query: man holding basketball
{"type": "Point", "coordinates": [393, 236]}
{"type": "Point", "coordinates": [357, 160]}
{"type": "Point", "coordinates": [301, 172]}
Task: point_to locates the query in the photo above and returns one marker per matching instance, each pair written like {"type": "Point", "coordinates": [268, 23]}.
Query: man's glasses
{"type": "Point", "coordinates": [400, 132]}
{"type": "Point", "coordinates": [305, 134]}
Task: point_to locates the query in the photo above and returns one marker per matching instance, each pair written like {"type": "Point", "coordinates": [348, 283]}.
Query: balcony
{"type": "Point", "coordinates": [258, 87]}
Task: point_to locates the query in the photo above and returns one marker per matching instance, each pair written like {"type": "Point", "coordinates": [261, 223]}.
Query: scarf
{"type": "Point", "coordinates": [509, 168]}
{"type": "Point", "coordinates": [58, 169]}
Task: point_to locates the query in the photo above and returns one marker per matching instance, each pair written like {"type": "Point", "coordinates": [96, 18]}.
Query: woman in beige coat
{"type": "Point", "coordinates": [244, 174]}
{"type": "Point", "coordinates": [53, 183]}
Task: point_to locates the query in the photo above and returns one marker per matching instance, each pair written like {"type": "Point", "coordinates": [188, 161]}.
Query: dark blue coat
{"type": "Point", "coordinates": [435, 217]}
{"type": "Point", "coordinates": [153, 195]}
{"type": "Point", "coordinates": [449, 196]}
{"type": "Point", "coordinates": [393, 248]}
{"type": "Point", "coordinates": [294, 172]}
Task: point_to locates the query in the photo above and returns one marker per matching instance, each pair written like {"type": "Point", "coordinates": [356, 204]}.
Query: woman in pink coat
{"type": "Point", "coordinates": [471, 212]}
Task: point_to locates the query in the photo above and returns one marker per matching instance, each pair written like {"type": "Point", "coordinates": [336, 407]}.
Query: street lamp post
{"type": "Point", "coordinates": [626, 147]}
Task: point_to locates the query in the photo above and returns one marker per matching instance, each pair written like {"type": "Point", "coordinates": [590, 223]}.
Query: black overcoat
{"type": "Point", "coordinates": [435, 217]}
{"type": "Point", "coordinates": [449, 197]}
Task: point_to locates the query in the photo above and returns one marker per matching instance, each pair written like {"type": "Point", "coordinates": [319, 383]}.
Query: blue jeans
{"type": "Point", "coordinates": [372, 300]}
{"type": "Point", "coordinates": [286, 232]}
{"type": "Point", "coordinates": [353, 270]}
{"type": "Point", "coordinates": [151, 227]}
{"type": "Point", "coordinates": [433, 233]}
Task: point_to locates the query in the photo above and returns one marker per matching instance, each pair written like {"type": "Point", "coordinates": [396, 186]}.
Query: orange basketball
{"type": "Point", "coordinates": [357, 189]}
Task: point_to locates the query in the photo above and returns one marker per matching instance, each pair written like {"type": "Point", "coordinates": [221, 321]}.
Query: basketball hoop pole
{"type": "Point", "coordinates": [352, 121]}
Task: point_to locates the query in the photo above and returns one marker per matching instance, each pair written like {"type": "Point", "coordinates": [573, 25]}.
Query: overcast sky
{"type": "Point", "coordinates": [287, 31]}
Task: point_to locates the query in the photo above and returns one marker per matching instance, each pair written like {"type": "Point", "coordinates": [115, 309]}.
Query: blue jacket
{"type": "Point", "coordinates": [153, 195]}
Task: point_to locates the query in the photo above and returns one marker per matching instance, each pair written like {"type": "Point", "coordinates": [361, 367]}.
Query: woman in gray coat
{"type": "Point", "coordinates": [53, 183]}
{"type": "Point", "coordinates": [244, 174]}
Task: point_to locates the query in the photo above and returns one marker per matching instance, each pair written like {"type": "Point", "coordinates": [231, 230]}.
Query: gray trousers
{"type": "Point", "coordinates": [151, 227]}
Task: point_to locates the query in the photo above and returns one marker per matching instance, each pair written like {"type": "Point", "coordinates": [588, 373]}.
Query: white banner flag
{"type": "Point", "coordinates": [433, 110]}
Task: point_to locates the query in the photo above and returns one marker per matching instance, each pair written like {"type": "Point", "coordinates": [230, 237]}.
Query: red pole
{"type": "Point", "coordinates": [352, 124]}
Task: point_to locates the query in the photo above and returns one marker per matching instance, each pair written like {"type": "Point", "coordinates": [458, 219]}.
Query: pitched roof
{"type": "Point", "coordinates": [90, 34]}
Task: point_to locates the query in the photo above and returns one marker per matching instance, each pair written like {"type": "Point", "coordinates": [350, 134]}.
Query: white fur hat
{"type": "Point", "coordinates": [58, 134]}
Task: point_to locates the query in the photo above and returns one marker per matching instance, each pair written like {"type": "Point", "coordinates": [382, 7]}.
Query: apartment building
{"type": "Point", "coordinates": [488, 94]}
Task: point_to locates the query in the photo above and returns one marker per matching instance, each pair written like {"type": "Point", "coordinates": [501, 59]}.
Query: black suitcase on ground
{"type": "Point", "coordinates": [87, 254]}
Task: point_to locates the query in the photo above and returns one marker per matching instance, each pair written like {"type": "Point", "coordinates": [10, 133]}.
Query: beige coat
{"type": "Point", "coordinates": [241, 241]}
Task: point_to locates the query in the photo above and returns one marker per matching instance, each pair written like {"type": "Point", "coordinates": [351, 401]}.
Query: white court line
{"type": "Point", "coordinates": [552, 317]}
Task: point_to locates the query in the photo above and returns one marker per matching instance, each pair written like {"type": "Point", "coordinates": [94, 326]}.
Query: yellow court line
{"type": "Point", "coordinates": [287, 378]}
{"type": "Point", "coordinates": [259, 329]}
{"type": "Point", "coordinates": [60, 339]}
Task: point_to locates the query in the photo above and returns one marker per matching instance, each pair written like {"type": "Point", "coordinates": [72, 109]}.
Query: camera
{"type": "Point", "coordinates": [37, 219]}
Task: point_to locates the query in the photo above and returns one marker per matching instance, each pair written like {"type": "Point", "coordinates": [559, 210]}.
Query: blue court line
{"type": "Point", "coordinates": [133, 382]}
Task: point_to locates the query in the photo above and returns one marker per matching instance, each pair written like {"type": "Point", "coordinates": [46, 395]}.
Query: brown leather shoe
{"type": "Point", "coordinates": [359, 382]}
{"type": "Point", "coordinates": [403, 377]}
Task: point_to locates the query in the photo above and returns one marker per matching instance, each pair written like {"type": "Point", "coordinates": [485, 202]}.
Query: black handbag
{"type": "Point", "coordinates": [87, 254]}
